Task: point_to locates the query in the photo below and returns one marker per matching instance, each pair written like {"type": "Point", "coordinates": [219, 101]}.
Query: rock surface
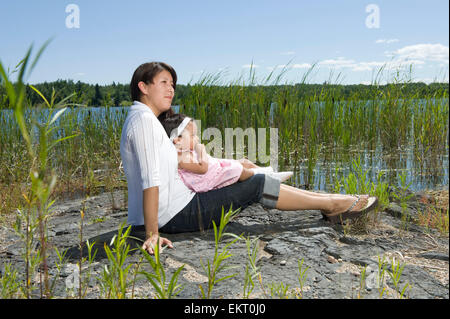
{"type": "Point", "coordinates": [334, 256]}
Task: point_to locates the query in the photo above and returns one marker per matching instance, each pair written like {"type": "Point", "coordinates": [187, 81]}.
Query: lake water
{"type": "Point", "coordinates": [434, 174]}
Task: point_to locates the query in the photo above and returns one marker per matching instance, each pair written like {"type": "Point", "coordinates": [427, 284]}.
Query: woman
{"type": "Point", "coordinates": [158, 200]}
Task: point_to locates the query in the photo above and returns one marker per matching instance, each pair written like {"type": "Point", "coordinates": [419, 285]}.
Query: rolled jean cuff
{"type": "Point", "coordinates": [271, 191]}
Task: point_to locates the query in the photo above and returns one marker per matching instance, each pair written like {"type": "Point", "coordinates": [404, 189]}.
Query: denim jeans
{"type": "Point", "coordinates": [206, 207]}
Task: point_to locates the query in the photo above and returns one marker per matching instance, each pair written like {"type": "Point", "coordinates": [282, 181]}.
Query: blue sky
{"type": "Point", "coordinates": [347, 43]}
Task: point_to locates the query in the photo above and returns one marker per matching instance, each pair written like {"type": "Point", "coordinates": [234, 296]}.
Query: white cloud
{"type": "Point", "coordinates": [394, 64]}
{"type": "Point", "coordinates": [340, 62]}
{"type": "Point", "coordinates": [248, 66]}
{"type": "Point", "coordinates": [388, 53]}
{"type": "Point", "coordinates": [301, 66]}
{"type": "Point", "coordinates": [367, 66]}
{"type": "Point", "coordinates": [386, 41]}
{"type": "Point", "coordinates": [417, 55]}
{"type": "Point", "coordinates": [363, 66]}
{"type": "Point", "coordinates": [293, 66]}
{"type": "Point", "coordinates": [287, 53]}
{"type": "Point", "coordinates": [423, 52]}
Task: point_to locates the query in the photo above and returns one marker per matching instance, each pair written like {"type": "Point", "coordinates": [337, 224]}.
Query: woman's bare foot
{"type": "Point", "coordinates": [342, 203]}
{"type": "Point", "coordinates": [359, 205]}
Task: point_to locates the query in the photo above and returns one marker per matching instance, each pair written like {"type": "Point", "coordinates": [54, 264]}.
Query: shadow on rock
{"type": "Point", "coordinates": [271, 229]}
{"type": "Point", "coordinates": [135, 240]}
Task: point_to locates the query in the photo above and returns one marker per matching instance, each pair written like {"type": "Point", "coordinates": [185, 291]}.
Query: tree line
{"type": "Point", "coordinates": [117, 94]}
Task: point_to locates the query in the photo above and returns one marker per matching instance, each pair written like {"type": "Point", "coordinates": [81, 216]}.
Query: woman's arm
{"type": "Point", "coordinates": [150, 203]}
{"type": "Point", "coordinates": [200, 167]}
{"type": "Point", "coordinates": [145, 139]}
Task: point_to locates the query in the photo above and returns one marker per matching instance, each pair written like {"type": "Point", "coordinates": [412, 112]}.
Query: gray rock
{"type": "Point", "coordinates": [351, 240]}
{"type": "Point", "coordinates": [278, 247]}
{"type": "Point", "coordinates": [434, 255]}
{"type": "Point", "coordinates": [319, 231]}
{"type": "Point", "coordinates": [333, 260]}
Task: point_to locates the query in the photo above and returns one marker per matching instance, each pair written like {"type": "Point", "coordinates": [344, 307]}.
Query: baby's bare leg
{"type": "Point", "coordinates": [247, 164]}
{"type": "Point", "coordinates": [246, 174]}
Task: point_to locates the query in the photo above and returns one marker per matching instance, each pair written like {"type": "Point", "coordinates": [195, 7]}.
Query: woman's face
{"type": "Point", "coordinates": [159, 94]}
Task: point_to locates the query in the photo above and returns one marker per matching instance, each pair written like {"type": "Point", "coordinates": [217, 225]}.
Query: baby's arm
{"type": "Point", "coordinates": [188, 162]}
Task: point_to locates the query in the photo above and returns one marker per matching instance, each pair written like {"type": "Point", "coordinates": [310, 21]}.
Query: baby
{"type": "Point", "coordinates": [201, 172]}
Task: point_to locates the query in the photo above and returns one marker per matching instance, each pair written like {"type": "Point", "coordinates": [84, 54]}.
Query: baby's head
{"type": "Point", "coordinates": [181, 130]}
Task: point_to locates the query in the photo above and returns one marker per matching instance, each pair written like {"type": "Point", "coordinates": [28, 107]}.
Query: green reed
{"type": "Point", "coordinates": [115, 278]}
{"type": "Point", "coordinates": [302, 276]}
{"type": "Point", "coordinates": [9, 283]}
{"type": "Point", "coordinates": [87, 163]}
{"type": "Point", "coordinates": [32, 218]}
{"type": "Point", "coordinates": [251, 269]}
{"type": "Point", "coordinates": [395, 274]}
{"type": "Point", "coordinates": [214, 268]}
{"type": "Point", "coordinates": [158, 278]}
{"type": "Point", "coordinates": [324, 126]}
{"type": "Point", "coordinates": [382, 117]}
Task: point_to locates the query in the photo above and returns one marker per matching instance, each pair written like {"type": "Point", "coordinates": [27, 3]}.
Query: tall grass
{"type": "Point", "coordinates": [322, 131]}
{"type": "Point", "coordinates": [158, 279]}
{"type": "Point", "coordinates": [86, 164]}
{"type": "Point", "coordinates": [327, 126]}
{"type": "Point", "coordinates": [214, 268]}
{"type": "Point", "coordinates": [319, 135]}
{"type": "Point", "coordinates": [32, 218]}
{"type": "Point", "coordinates": [115, 277]}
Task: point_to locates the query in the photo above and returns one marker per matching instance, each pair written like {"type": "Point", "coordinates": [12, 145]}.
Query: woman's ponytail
{"type": "Point", "coordinates": [170, 120]}
{"type": "Point", "coordinates": [165, 115]}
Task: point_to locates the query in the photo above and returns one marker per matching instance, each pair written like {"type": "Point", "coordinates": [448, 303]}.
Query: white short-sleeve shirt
{"type": "Point", "coordinates": [150, 159]}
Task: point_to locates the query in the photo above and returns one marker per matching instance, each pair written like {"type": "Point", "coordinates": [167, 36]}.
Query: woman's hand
{"type": "Point", "coordinates": [151, 242]}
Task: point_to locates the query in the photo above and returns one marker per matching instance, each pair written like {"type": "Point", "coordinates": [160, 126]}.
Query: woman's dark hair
{"type": "Point", "coordinates": [145, 73]}
{"type": "Point", "coordinates": [171, 122]}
